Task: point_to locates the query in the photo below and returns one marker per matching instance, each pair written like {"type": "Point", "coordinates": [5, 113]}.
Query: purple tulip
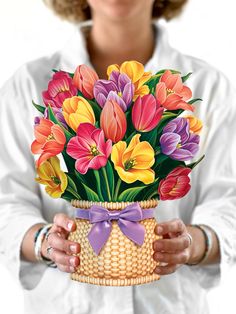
{"type": "Point", "coordinates": [119, 88]}
{"type": "Point", "coordinates": [177, 142]}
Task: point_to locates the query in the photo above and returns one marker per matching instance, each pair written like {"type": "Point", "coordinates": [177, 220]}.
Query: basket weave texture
{"type": "Point", "coordinates": [121, 262]}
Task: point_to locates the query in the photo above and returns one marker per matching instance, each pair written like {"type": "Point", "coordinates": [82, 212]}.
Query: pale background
{"type": "Point", "coordinates": [28, 30]}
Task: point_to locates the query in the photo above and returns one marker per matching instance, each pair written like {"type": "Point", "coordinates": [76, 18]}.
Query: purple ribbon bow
{"type": "Point", "coordinates": [127, 218]}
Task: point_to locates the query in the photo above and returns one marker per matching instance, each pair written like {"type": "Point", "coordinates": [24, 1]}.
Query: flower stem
{"type": "Point", "coordinates": [117, 189]}
{"type": "Point", "coordinates": [152, 195]}
{"type": "Point", "coordinates": [71, 191]}
{"type": "Point", "coordinates": [107, 183]}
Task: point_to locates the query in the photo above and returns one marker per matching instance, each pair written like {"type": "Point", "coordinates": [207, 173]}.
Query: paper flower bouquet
{"type": "Point", "coordinates": [125, 142]}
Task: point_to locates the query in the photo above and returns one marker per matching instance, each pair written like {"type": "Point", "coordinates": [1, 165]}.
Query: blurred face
{"type": "Point", "coordinates": [120, 10]}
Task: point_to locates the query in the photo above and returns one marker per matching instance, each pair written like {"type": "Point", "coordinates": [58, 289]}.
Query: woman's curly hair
{"type": "Point", "coordinates": [78, 10]}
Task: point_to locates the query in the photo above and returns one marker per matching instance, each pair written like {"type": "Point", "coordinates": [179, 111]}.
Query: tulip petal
{"type": "Point", "coordinates": [165, 75]}
{"type": "Point", "coordinates": [186, 93]}
{"type": "Point", "coordinates": [36, 147]}
{"type": "Point", "coordinates": [143, 154]}
{"type": "Point", "coordinates": [58, 134]}
{"type": "Point", "coordinates": [169, 142]}
{"type": "Point", "coordinates": [128, 152]}
{"type": "Point", "coordinates": [82, 164]}
{"type": "Point", "coordinates": [160, 93]}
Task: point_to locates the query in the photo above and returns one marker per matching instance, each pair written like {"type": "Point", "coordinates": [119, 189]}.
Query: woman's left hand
{"type": "Point", "coordinates": [173, 248]}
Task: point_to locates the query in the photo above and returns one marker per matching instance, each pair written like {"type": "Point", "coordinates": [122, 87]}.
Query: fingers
{"type": "Point", "coordinates": [172, 258]}
{"type": "Point", "coordinates": [65, 222]}
{"type": "Point", "coordinates": [63, 260]}
{"type": "Point", "coordinates": [172, 245]}
{"type": "Point", "coordinates": [61, 244]}
{"type": "Point", "coordinates": [172, 226]}
{"type": "Point", "coordinates": [166, 270]}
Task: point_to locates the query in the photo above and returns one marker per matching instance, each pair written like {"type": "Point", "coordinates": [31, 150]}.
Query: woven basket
{"type": "Point", "coordinates": [121, 262]}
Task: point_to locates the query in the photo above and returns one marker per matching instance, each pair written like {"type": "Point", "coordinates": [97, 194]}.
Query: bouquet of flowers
{"type": "Point", "coordinates": [125, 139]}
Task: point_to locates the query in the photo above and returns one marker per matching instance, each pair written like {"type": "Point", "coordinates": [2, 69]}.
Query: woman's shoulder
{"type": "Point", "coordinates": [30, 79]}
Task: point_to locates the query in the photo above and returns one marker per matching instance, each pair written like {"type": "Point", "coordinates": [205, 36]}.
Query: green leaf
{"type": "Point", "coordinates": [185, 77]}
{"type": "Point", "coordinates": [91, 195]}
{"type": "Point", "coordinates": [110, 176]}
{"type": "Point", "coordinates": [166, 166]}
{"type": "Point", "coordinates": [150, 137]}
{"type": "Point", "coordinates": [194, 164]}
{"type": "Point", "coordinates": [71, 183]}
{"type": "Point", "coordinates": [194, 100]}
{"type": "Point", "coordinates": [98, 184]}
{"type": "Point", "coordinates": [54, 119]}
{"type": "Point", "coordinates": [130, 194]}
{"type": "Point", "coordinates": [41, 109]}
{"type": "Point", "coordinates": [96, 109]}
{"type": "Point", "coordinates": [67, 196]}
{"type": "Point", "coordinates": [80, 177]}
{"type": "Point", "coordinates": [150, 189]}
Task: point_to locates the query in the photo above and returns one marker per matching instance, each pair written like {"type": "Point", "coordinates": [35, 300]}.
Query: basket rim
{"type": "Point", "coordinates": [145, 204]}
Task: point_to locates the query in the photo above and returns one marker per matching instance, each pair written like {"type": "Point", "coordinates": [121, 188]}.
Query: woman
{"type": "Point", "coordinates": [120, 30]}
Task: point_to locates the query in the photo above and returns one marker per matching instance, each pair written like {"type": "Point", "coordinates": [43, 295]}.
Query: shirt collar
{"type": "Point", "coordinates": [75, 51]}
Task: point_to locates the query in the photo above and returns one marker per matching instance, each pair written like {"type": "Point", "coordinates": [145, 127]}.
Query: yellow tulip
{"type": "Point", "coordinates": [50, 174]}
{"type": "Point", "coordinates": [77, 110]}
{"type": "Point", "coordinates": [195, 125]}
{"type": "Point", "coordinates": [135, 161]}
{"type": "Point", "coordinates": [135, 71]}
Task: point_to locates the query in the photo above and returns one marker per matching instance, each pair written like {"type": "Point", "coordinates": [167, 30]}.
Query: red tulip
{"type": "Point", "coordinates": [84, 79]}
{"type": "Point", "coordinates": [175, 185]}
{"type": "Point", "coordinates": [113, 121]}
{"type": "Point", "coordinates": [146, 113]}
{"type": "Point", "coordinates": [60, 87]}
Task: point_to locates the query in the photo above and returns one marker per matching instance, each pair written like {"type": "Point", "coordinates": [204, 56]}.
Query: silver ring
{"type": "Point", "coordinates": [49, 250]}
{"type": "Point", "coordinates": [190, 238]}
{"type": "Point", "coordinates": [47, 235]}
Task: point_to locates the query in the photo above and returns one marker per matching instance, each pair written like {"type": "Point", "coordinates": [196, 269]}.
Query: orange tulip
{"type": "Point", "coordinates": [50, 140]}
{"type": "Point", "coordinates": [195, 125]}
{"type": "Point", "coordinates": [113, 121]}
{"type": "Point", "coordinates": [171, 93]}
{"type": "Point", "coordinates": [84, 79]}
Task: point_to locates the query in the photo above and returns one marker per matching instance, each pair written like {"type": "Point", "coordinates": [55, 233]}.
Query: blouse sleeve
{"type": "Point", "coordinates": [216, 177]}
{"type": "Point", "coordinates": [20, 203]}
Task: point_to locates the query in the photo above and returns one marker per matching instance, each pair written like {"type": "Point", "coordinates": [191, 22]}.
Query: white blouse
{"type": "Point", "coordinates": [211, 201]}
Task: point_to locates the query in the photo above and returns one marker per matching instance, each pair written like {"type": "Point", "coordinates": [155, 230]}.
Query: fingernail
{"type": "Point", "coordinates": [69, 225]}
{"type": "Point", "coordinates": [159, 230]}
{"type": "Point", "coordinates": [157, 270]}
{"type": "Point", "coordinates": [73, 248]}
{"type": "Point", "coordinates": [72, 269]}
{"type": "Point", "coordinates": [73, 262]}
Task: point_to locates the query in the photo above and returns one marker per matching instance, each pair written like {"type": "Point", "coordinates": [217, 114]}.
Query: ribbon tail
{"type": "Point", "coordinates": [98, 235]}
{"type": "Point", "coordinates": [133, 230]}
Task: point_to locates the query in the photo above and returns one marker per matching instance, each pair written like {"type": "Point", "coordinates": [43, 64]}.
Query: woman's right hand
{"type": "Point", "coordinates": [62, 249]}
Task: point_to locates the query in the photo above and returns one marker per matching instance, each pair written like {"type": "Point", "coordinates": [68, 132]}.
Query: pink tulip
{"type": "Point", "coordinates": [84, 79]}
{"type": "Point", "coordinates": [146, 113]}
{"type": "Point", "coordinates": [172, 94]}
{"type": "Point", "coordinates": [113, 121]}
{"type": "Point", "coordinates": [89, 148]}
{"type": "Point", "coordinates": [175, 185]}
{"type": "Point", "coordinates": [60, 87]}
